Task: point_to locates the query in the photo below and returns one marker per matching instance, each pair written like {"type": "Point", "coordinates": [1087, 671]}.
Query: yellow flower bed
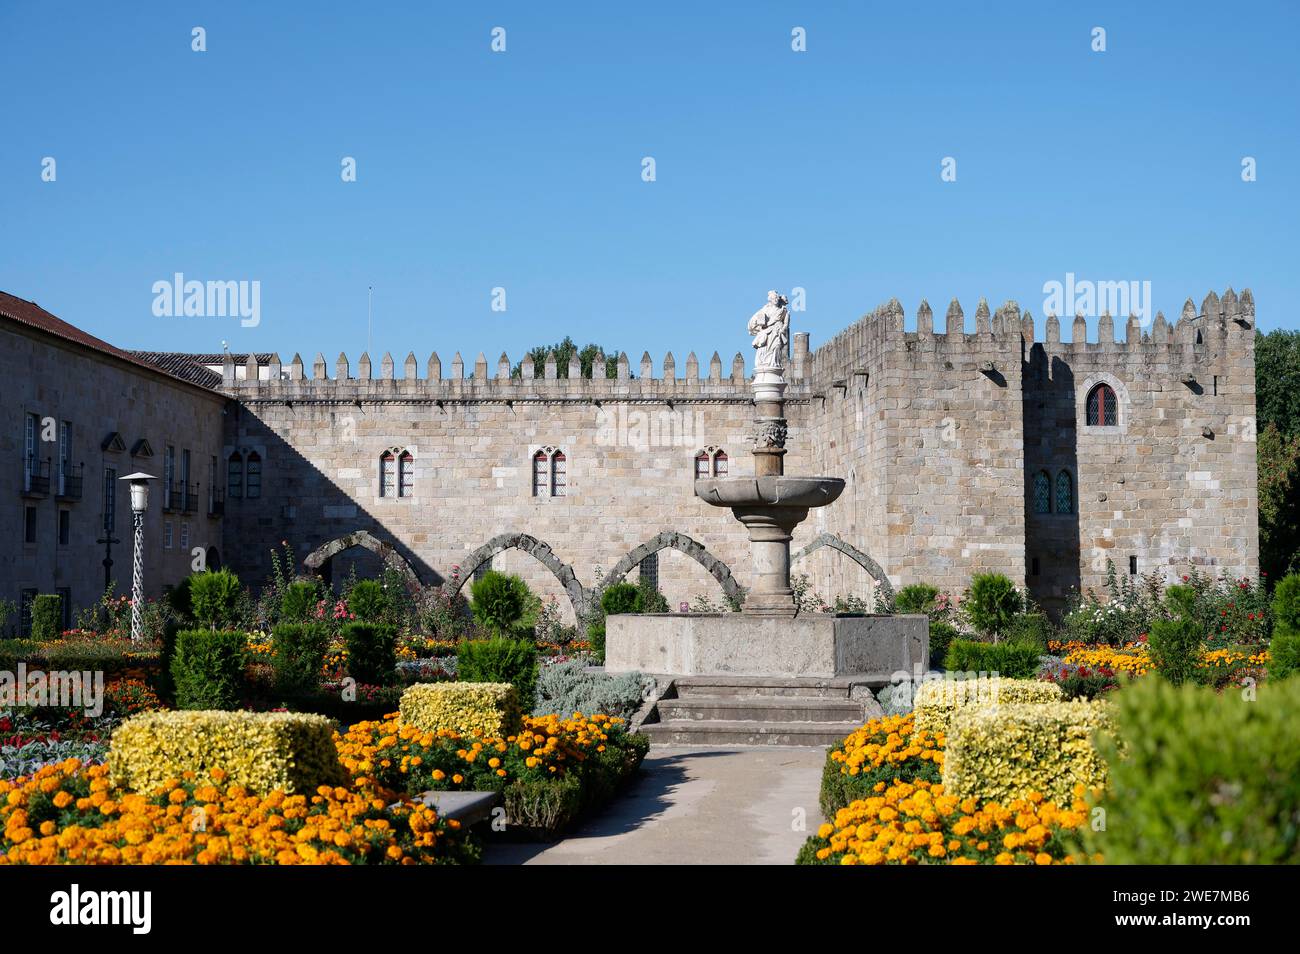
{"type": "Point", "coordinates": [1132, 658]}
{"type": "Point", "coordinates": [262, 751]}
{"type": "Point", "coordinates": [488, 708]}
{"type": "Point", "coordinates": [68, 814]}
{"type": "Point", "coordinates": [919, 823]}
{"type": "Point", "coordinates": [937, 701]}
{"type": "Point", "coordinates": [884, 743]}
{"type": "Point", "coordinates": [1012, 751]}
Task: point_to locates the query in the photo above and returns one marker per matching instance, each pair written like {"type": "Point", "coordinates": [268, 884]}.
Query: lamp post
{"type": "Point", "coordinates": [139, 504]}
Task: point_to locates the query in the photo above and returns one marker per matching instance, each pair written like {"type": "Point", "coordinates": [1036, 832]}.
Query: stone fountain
{"type": "Point", "coordinates": [769, 638]}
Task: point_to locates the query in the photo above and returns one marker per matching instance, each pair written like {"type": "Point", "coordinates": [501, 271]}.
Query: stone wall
{"type": "Point", "coordinates": [98, 395]}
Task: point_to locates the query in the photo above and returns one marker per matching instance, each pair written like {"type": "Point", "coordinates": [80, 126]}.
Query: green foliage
{"type": "Point", "coordinates": [47, 616]}
{"type": "Point", "coordinates": [372, 653]}
{"type": "Point", "coordinates": [500, 660]}
{"type": "Point", "coordinates": [178, 598]}
{"type": "Point", "coordinates": [564, 688]}
{"type": "Point", "coordinates": [916, 598]}
{"type": "Point", "coordinates": [1277, 458]}
{"type": "Point", "coordinates": [992, 602]}
{"type": "Point", "coordinates": [596, 636]}
{"type": "Point", "coordinates": [207, 668]}
{"type": "Point", "coordinates": [9, 609]}
{"type": "Point", "coordinates": [1286, 606]}
{"type": "Point", "coordinates": [299, 654]}
{"type": "Point", "coordinates": [1011, 660]}
{"type": "Point", "coordinates": [649, 599]}
{"type": "Point", "coordinates": [620, 598]}
{"type": "Point", "coordinates": [368, 602]}
{"type": "Point", "coordinates": [1174, 646]}
{"type": "Point", "coordinates": [1277, 380]}
{"type": "Point", "coordinates": [298, 601]}
{"type": "Point", "coordinates": [500, 602]}
{"type": "Point", "coordinates": [1284, 656]}
{"type": "Point", "coordinates": [1032, 628]}
{"type": "Point", "coordinates": [1203, 778]}
{"type": "Point", "coordinates": [1181, 601]}
{"type": "Point", "coordinates": [214, 596]}
{"type": "Point", "coordinates": [563, 352]}
{"type": "Point", "coordinates": [941, 636]}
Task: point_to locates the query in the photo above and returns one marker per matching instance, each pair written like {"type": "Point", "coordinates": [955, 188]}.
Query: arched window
{"type": "Point", "coordinates": [387, 474]}
{"type": "Point", "coordinates": [541, 468]}
{"type": "Point", "coordinates": [711, 462]}
{"type": "Point", "coordinates": [559, 474]}
{"type": "Point", "coordinates": [1103, 410]}
{"type": "Point", "coordinates": [1042, 492]}
{"type": "Point", "coordinates": [1064, 492]}
{"type": "Point", "coordinates": [405, 474]}
{"type": "Point", "coordinates": [253, 475]}
{"type": "Point", "coordinates": [235, 475]}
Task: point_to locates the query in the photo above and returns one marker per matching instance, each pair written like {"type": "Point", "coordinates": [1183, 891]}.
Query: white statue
{"type": "Point", "coordinates": [770, 327]}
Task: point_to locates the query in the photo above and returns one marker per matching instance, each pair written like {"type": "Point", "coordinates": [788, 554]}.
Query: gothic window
{"type": "Point", "coordinates": [541, 464]}
{"type": "Point", "coordinates": [235, 475]}
{"type": "Point", "coordinates": [1042, 492]}
{"type": "Point", "coordinates": [387, 474]}
{"type": "Point", "coordinates": [550, 473]}
{"type": "Point", "coordinates": [559, 474]}
{"type": "Point", "coordinates": [253, 475]}
{"type": "Point", "coordinates": [1064, 492]}
{"type": "Point", "coordinates": [1103, 411]}
{"type": "Point", "coordinates": [405, 474]}
{"type": "Point", "coordinates": [711, 462]}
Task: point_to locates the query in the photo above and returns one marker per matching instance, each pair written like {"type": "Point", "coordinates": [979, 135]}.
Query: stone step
{"type": "Point", "coordinates": [743, 732]}
{"type": "Point", "coordinates": [737, 708]}
{"type": "Point", "coordinates": [714, 686]}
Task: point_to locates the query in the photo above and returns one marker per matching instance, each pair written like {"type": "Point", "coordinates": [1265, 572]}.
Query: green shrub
{"type": "Point", "coordinates": [47, 617]}
{"type": "Point", "coordinates": [299, 654]}
{"type": "Point", "coordinates": [368, 602]}
{"type": "Point", "coordinates": [1205, 778]}
{"type": "Point", "coordinates": [214, 596]}
{"type": "Point", "coordinates": [208, 668]}
{"type": "Point", "coordinates": [1284, 656]}
{"type": "Point", "coordinates": [1011, 660]}
{"type": "Point", "coordinates": [1174, 646]}
{"type": "Point", "coordinates": [564, 688]}
{"type": "Point", "coordinates": [178, 598]}
{"type": "Point", "coordinates": [596, 636]}
{"type": "Point", "coordinates": [916, 598]}
{"type": "Point", "coordinates": [1181, 601]}
{"type": "Point", "coordinates": [648, 597]}
{"type": "Point", "coordinates": [992, 602]}
{"type": "Point", "coordinates": [620, 598]}
{"type": "Point", "coordinates": [500, 660]}
{"type": "Point", "coordinates": [372, 653]}
{"type": "Point", "coordinates": [1033, 628]}
{"type": "Point", "coordinates": [499, 602]}
{"type": "Point", "coordinates": [941, 636]}
{"type": "Point", "coordinates": [298, 602]}
{"type": "Point", "coordinates": [1286, 606]}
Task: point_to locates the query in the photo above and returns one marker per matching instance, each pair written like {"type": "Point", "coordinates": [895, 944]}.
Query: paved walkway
{"type": "Point", "coordinates": [696, 805]}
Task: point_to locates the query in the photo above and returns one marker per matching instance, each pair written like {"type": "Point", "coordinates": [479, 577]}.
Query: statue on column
{"type": "Point", "coordinates": [770, 327]}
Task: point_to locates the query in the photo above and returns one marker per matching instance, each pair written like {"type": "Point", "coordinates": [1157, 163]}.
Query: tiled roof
{"type": "Point", "coordinates": [182, 366]}
{"type": "Point", "coordinates": [34, 316]}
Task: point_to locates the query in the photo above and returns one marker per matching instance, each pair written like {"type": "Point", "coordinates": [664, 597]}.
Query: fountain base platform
{"type": "Point", "coordinates": [811, 644]}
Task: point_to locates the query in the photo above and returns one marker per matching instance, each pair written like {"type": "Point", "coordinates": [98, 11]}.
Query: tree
{"type": "Point", "coordinates": [1277, 381]}
{"type": "Point", "coordinates": [563, 352]}
{"type": "Point", "coordinates": [1278, 458]}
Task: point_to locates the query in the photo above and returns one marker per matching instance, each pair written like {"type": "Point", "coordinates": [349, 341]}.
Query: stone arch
{"type": "Point", "coordinates": [853, 553]}
{"type": "Point", "coordinates": [365, 539]}
{"type": "Point", "coordinates": [676, 541]}
{"type": "Point", "coordinates": [533, 547]}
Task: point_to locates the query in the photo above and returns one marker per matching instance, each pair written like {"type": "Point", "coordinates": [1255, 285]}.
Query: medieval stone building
{"type": "Point", "coordinates": [964, 452]}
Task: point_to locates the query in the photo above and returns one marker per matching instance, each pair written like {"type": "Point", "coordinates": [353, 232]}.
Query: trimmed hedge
{"type": "Point", "coordinates": [47, 616]}
{"type": "Point", "coordinates": [937, 701]}
{"type": "Point", "coordinates": [1008, 752]}
{"type": "Point", "coordinates": [1204, 779]}
{"type": "Point", "coordinates": [372, 653]}
{"type": "Point", "coordinates": [262, 751]}
{"type": "Point", "coordinates": [107, 655]}
{"type": "Point", "coordinates": [1016, 659]}
{"type": "Point", "coordinates": [214, 597]}
{"type": "Point", "coordinates": [500, 660]}
{"type": "Point", "coordinates": [467, 708]}
{"type": "Point", "coordinates": [207, 668]}
{"type": "Point", "coordinates": [299, 655]}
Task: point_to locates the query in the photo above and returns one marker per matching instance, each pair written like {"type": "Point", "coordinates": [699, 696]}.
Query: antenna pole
{"type": "Point", "coordinates": [370, 303]}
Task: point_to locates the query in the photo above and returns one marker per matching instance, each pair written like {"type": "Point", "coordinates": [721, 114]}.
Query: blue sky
{"type": "Point", "coordinates": [523, 169]}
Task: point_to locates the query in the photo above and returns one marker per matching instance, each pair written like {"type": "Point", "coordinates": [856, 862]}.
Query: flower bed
{"type": "Point", "coordinates": [883, 750]}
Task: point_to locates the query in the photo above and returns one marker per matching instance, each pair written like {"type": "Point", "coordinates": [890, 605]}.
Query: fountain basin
{"type": "Point", "coordinates": [773, 491]}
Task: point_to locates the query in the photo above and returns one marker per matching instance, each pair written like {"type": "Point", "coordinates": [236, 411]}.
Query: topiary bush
{"type": "Point", "coordinates": [1174, 646]}
{"type": "Point", "coordinates": [47, 617]}
{"type": "Point", "coordinates": [916, 598]}
{"type": "Point", "coordinates": [214, 597]}
{"type": "Point", "coordinates": [1286, 606]}
{"type": "Point", "coordinates": [1011, 660]}
{"type": "Point", "coordinates": [500, 660]}
{"type": "Point", "coordinates": [499, 602]}
{"type": "Point", "coordinates": [1203, 779]}
{"type": "Point", "coordinates": [490, 708]}
{"type": "Point", "coordinates": [298, 601]}
{"type": "Point", "coordinates": [208, 668]}
{"type": "Point", "coordinates": [299, 654]}
{"type": "Point", "coordinates": [992, 602]}
{"type": "Point", "coordinates": [941, 636]}
{"type": "Point", "coordinates": [368, 602]}
{"type": "Point", "coordinates": [620, 598]}
{"type": "Point", "coordinates": [372, 653]}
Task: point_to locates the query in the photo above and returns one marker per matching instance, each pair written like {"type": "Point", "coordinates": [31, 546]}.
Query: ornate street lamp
{"type": "Point", "coordinates": [139, 504]}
